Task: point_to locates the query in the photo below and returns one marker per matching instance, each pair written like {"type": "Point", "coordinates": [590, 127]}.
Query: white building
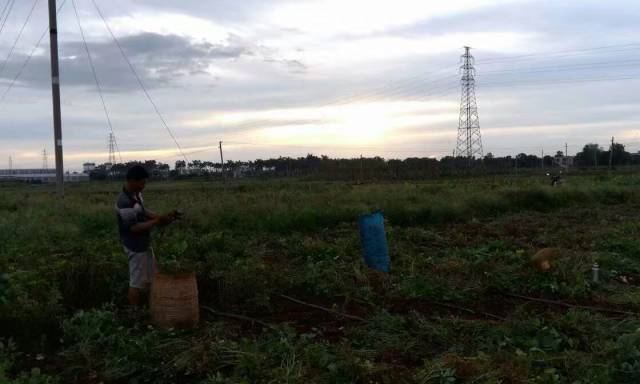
{"type": "Point", "coordinates": [563, 161]}
{"type": "Point", "coordinates": [88, 167]}
{"type": "Point", "coordinates": [39, 175]}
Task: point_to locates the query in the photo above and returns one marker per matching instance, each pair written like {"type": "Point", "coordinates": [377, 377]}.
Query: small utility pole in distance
{"type": "Point", "coordinates": [611, 155]}
{"type": "Point", "coordinates": [55, 90]}
{"type": "Point", "coordinates": [10, 164]}
{"type": "Point", "coordinates": [542, 158]}
{"type": "Point", "coordinates": [222, 162]}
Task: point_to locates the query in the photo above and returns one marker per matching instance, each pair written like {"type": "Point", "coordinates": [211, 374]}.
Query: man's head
{"type": "Point", "coordinates": [136, 178]}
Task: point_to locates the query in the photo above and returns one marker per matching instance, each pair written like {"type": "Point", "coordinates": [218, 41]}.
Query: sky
{"type": "Point", "coordinates": [341, 78]}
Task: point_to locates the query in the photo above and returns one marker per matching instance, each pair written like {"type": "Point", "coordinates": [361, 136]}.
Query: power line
{"type": "Point", "coordinates": [434, 93]}
{"type": "Point", "coordinates": [4, 64]}
{"type": "Point", "coordinates": [442, 91]}
{"type": "Point", "coordinates": [559, 82]}
{"type": "Point", "coordinates": [28, 59]}
{"type": "Point", "coordinates": [142, 86]}
{"type": "Point", "coordinates": [95, 78]}
{"type": "Point", "coordinates": [6, 17]}
{"type": "Point", "coordinates": [583, 66]}
{"type": "Point", "coordinates": [2, 15]}
{"type": "Point", "coordinates": [560, 53]}
{"type": "Point", "coordinates": [4, 8]}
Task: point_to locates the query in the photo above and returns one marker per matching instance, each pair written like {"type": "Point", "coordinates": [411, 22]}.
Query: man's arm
{"type": "Point", "coordinates": [146, 225]}
{"type": "Point", "coordinates": [150, 214]}
{"type": "Point", "coordinates": [162, 219]}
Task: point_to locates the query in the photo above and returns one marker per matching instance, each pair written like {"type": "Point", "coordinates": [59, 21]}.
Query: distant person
{"type": "Point", "coordinates": [135, 223]}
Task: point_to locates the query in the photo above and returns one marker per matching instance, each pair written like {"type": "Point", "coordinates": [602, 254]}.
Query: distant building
{"type": "Point", "coordinates": [39, 175]}
{"type": "Point", "coordinates": [241, 171]}
{"type": "Point", "coordinates": [563, 161]}
{"type": "Point", "coordinates": [75, 177]}
{"type": "Point", "coordinates": [88, 167]}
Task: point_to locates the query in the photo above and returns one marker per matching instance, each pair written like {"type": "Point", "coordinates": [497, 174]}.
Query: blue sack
{"type": "Point", "coordinates": [374, 242]}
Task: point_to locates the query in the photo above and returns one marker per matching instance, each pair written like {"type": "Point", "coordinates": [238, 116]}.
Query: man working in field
{"type": "Point", "coordinates": [135, 223]}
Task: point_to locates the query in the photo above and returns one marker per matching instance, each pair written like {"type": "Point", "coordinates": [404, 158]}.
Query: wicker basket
{"type": "Point", "coordinates": [174, 300]}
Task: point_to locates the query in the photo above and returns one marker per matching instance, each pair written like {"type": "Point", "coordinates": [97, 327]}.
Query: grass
{"type": "Point", "coordinates": [456, 244]}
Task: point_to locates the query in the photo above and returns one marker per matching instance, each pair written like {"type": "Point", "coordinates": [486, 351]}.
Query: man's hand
{"type": "Point", "coordinates": [169, 217]}
{"type": "Point", "coordinates": [165, 219]}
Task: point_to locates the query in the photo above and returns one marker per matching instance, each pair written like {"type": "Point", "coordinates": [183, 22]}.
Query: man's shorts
{"type": "Point", "coordinates": [141, 268]}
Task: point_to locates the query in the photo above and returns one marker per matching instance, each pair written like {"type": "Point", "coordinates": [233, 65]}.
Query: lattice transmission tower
{"type": "Point", "coordinates": [469, 143]}
{"type": "Point", "coordinates": [45, 159]}
{"type": "Point", "coordinates": [112, 149]}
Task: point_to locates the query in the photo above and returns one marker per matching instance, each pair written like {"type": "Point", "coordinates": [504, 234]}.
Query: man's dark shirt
{"type": "Point", "coordinates": [130, 211]}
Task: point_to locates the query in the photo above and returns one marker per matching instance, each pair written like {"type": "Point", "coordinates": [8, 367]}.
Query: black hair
{"type": "Point", "coordinates": [137, 173]}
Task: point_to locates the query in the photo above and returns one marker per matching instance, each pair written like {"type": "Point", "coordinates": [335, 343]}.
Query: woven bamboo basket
{"type": "Point", "coordinates": [173, 301]}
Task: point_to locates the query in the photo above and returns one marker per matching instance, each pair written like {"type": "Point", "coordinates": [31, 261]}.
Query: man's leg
{"type": "Point", "coordinates": [148, 270]}
{"type": "Point", "coordinates": [136, 277]}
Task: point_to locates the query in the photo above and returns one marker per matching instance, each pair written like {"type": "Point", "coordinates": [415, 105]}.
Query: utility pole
{"type": "Point", "coordinates": [611, 155]}
{"type": "Point", "coordinates": [55, 91]}
{"type": "Point", "coordinates": [566, 157]}
{"type": "Point", "coordinates": [10, 164]}
{"type": "Point", "coordinates": [361, 169]}
{"type": "Point", "coordinates": [221, 162]}
{"type": "Point", "coordinates": [542, 158]}
{"type": "Point", "coordinates": [469, 143]}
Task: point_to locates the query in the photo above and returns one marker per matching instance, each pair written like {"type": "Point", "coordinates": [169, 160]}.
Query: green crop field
{"type": "Point", "coordinates": [286, 297]}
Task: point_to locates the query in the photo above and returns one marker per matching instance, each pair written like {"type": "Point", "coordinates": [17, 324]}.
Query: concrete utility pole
{"type": "Point", "coordinates": [611, 155]}
{"type": "Point", "coordinates": [221, 161]}
{"type": "Point", "coordinates": [55, 90]}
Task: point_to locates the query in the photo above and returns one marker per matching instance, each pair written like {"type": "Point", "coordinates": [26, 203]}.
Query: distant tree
{"type": "Point", "coordinates": [620, 156]}
{"type": "Point", "coordinates": [548, 161]}
{"type": "Point", "coordinates": [590, 155]}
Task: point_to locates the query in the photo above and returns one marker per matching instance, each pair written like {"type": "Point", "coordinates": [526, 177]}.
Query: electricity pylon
{"type": "Point", "coordinates": [112, 149]}
{"type": "Point", "coordinates": [469, 143]}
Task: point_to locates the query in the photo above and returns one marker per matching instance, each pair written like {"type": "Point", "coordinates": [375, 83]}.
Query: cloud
{"type": "Point", "coordinates": [161, 60]}
{"type": "Point", "coordinates": [292, 73]}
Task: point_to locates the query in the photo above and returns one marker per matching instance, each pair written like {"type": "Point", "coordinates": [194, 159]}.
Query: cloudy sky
{"type": "Point", "coordinates": [337, 77]}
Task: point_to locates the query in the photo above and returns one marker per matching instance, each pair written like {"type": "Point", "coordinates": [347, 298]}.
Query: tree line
{"type": "Point", "coordinates": [324, 167]}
